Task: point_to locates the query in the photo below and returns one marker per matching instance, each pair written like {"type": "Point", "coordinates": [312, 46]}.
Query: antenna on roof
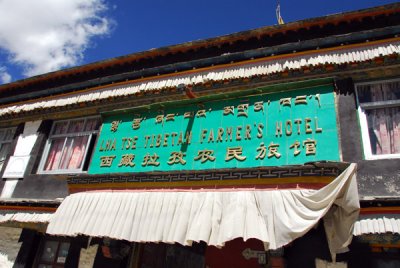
{"type": "Point", "coordinates": [278, 13]}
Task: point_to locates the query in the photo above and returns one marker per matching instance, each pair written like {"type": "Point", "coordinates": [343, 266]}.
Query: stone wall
{"type": "Point", "coordinates": [9, 244]}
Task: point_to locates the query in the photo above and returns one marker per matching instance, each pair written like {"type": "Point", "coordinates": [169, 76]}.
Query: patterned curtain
{"type": "Point", "coordinates": [54, 154]}
{"type": "Point", "coordinates": [74, 153]}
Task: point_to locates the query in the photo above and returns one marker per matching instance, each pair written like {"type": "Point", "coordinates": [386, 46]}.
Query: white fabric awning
{"type": "Point", "coordinates": [24, 217]}
{"type": "Point", "coordinates": [275, 217]}
{"type": "Point", "coordinates": [377, 224]}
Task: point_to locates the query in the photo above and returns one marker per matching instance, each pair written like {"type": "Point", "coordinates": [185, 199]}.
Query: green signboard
{"type": "Point", "coordinates": [275, 129]}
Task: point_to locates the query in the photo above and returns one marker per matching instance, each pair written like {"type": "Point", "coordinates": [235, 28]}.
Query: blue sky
{"type": "Point", "coordinates": [47, 35]}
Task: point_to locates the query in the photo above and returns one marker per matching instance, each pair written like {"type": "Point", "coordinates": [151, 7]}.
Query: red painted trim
{"type": "Point", "coordinates": [380, 210]}
{"type": "Point", "coordinates": [27, 208]}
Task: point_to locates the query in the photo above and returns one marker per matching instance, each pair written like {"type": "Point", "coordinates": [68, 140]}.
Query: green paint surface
{"type": "Point", "coordinates": [247, 134]}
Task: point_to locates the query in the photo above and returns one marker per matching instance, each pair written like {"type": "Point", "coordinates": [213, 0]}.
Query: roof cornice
{"type": "Point", "coordinates": [223, 61]}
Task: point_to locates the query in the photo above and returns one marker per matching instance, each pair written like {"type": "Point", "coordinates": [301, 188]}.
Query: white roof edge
{"type": "Point", "coordinates": [267, 66]}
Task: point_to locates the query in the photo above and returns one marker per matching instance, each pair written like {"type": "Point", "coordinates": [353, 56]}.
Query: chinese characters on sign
{"type": "Point", "coordinates": [274, 129]}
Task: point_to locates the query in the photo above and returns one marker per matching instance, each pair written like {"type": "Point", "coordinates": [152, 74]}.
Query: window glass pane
{"type": "Point", "coordinates": [9, 134]}
{"type": "Point", "coordinates": [54, 154]}
{"type": "Point", "coordinates": [74, 152]}
{"type": "Point", "coordinates": [60, 128]}
{"type": "Point", "coordinates": [384, 130]}
{"type": "Point", "coordinates": [63, 252]}
{"type": "Point", "coordinates": [44, 266]}
{"type": "Point", "coordinates": [2, 135]}
{"type": "Point", "coordinates": [49, 251]}
{"type": "Point", "coordinates": [379, 92]}
{"type": "Point", "coordinates": [66, 153]}
{"type": "Point", "coordinates": [76, 126]}
{"type": "Point", "coordinates": [4, 150]}
{"type": "Point", "coordinates": [92, 124]}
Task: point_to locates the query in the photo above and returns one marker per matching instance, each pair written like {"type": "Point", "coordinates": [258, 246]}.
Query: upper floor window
{"type": "Point", "coordinates": [6, 137]}
{"type": "Point", "coordinates": [379, 113]}
{"type": "Point", "coordinates": [69, 144]}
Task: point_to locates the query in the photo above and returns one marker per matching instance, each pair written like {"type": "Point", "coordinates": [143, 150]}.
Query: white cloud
{"type": "Point", "coordinates": [46, 35]}
{"type": "Point", "coordinates": [5, 77]}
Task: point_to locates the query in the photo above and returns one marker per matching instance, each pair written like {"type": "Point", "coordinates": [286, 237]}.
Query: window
{"type": "Point", "coordinates": [379, 113]}
{"type": "Point", "coordinates": [6, 137]}
{"type": "Point", "coordinates": [69, 143]}
{"type": "Point", "coordinates": [54, 254]}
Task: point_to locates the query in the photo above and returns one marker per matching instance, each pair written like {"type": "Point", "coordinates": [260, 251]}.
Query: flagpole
{"type": "Point", "coordinates": [278, 13]}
